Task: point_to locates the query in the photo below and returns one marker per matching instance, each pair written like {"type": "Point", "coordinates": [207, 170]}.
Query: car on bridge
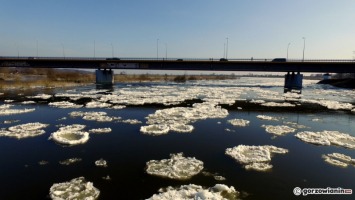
{"type": "Point", "coordinates": [112, 58]}
{"type": "Point", "coordinates": [223, 59]}
{"type": "Point", "coordinates": [279, 60]}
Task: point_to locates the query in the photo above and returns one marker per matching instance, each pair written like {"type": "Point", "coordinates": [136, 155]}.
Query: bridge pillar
{"type": "Point", "coordinates": [293, 82]}
{"type": "Point", "coordinates": [104, 77]}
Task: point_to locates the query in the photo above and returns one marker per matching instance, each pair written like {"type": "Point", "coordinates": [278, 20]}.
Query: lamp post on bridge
{"type": "Point", "coordinates": [227, 49]}
{"type": "Point", "coordinates": [304, 47]}
{"type": "Point", "coordinates": [288, 46]}
{"type": "Point", "coordinates": [63, 50]}
{"type": "Point", "coordinates": [112, 50]}
{"type": "Point", "coordinates": [157, 49]}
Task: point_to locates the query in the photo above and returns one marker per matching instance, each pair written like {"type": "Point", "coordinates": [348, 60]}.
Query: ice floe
{"type": "Point", "coordinates": [254, 157]}
{"type": "Point", "coordinates": [70, 135]}
{"type": "Point", "coordinates": [70, 161]}
{"type": "Point", "coordinates": [177, 167]}
{"type": "Point", "coordinates": [93, 116]}
{"type": "Point", "coordinates": [101, 163]}
{"type": "Point", "coordinates": [328, 138]}
{"type": "Point", "coordinates": [278, 130]}
{"type": "Point", "coordinates": [100, 130]}
{"type": "Point", "coordinates": [131, 121]}
{"type": "Point", "coordinates": [6, 110]}
{"type": "Point", "coordinates": [28, 102]}
{"type": "Point", "coordinates": [338, 159]}
{"type": "Point", "coordinates": [275, 104]}
{"type": "Point", "coordinates": [239, 122]}
{"type": "Point", "coordinates": [265, 117]}
{"type": "Point", "coordinates": [24, 130]}
{"type": "Point", "coordinates": [219, 191]}
{"type": "Point", "coordinates": [64, 104]}
{"type": "Point", "coordinates": [178, 118]}
{"type": "Point", "coordinates": [77, 188]}
{"type": "Point", "coordinates": [96, 104]}
{"type": "Point", "coordinates": [40, 96]}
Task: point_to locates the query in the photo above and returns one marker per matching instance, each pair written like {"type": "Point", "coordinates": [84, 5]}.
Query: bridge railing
{"type": "Point", "coordinates": [167, 59]}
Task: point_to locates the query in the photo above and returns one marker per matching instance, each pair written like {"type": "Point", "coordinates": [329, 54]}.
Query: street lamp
{"type": "Point", "coordinates": [63, 50]}
{"type": "Point", "coordinates": [37, 48]}
{"type": "Point", "coordinates": [304, 47]}
{"type": "Point", "coordinates": [94, 49]}
{"type": "Point", "coordinates": [166, 51]}
{"type": "Point", "coordinates": [112, 51]}
{"type": "Point", "coordinates": [227, 49]}
{"type": "Point", "coordinates": [157, 49]}
{"type": "Point", "coordinates": [288, 46]}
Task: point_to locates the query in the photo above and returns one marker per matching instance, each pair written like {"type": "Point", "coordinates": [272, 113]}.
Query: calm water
{"type": "Point", "coordinates": [127, 150]}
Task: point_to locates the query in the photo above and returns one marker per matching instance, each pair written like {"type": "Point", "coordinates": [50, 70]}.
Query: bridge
{"type": "Point", "coordinates": [104, 66]}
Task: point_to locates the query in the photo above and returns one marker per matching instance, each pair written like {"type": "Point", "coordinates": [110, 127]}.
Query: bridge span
{"type": "Point", "coordinates": [104, 66]}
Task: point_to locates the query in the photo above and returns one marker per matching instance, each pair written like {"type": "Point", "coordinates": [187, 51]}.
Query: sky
{"type": "Point", "coordinates": [178, 29]}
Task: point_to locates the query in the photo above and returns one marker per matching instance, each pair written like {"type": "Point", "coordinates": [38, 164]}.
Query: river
{"type": "Point", "coordinates": [30, 165]}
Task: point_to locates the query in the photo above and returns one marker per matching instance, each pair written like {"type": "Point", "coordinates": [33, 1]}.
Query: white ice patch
{"type": "Point", "coordinates": [274, 104]}
{"type": "Point", "coordinates": [24, 130]}
{"type": "Point", "coordinates": [6, 110]}
{"type": "Point", "coordinates": [218, 192]}
{"type": "Point", "coordinates": [239, 122]}
{"type": "Point", "coordinates": [93, 116]}
{"type": "Point", "coordinates": [101, 163]}
{"type": "Point", "coordinates": [335, 105]}
{"type": "Point", "coordinates": [178, 118]}
{"type": "Point", "coordinates": [8, 100]}
{"type": "Point", "coordinates": [28, 102]}
{"type": "Point", "coordinates": [64, 104]}
{"type": "Point", "coordinates": [155, 129]}
{"type": "Point", "coordinates": [328, 138]}
{"type": "Point", "coordinates": [177, 167]}
{"type": "Point", "coordinates": [254, 157]}
{"type": "Point", "coordinates": [278, 130]}
{"type": "Point", "coordinates": [70, 161]}
{"type": "Point", "coordinates": [100, 130]}
{"type": "Point", "coordinates": [40, 96]}
{"type": "Point", "coordinates": [265, 117]}
{"type": "Point", "coordinates": [338, 159]}
{"type": "Point", "coordinates": [131, 121]}
{"type": "Point", "coordinates": [70, 135]}
{"type": "Point", "coordinates": [96, 104]}
{"type": "Point", "coordinates": [77, 188]}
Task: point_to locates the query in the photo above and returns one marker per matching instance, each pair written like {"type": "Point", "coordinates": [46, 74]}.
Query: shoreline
{"type": "Point", "coordinates": [348, 83]}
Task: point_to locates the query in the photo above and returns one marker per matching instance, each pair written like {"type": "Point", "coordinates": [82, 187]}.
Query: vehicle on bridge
{"type": "Point", "coordinates": [279, 60]}
{"type": "Point", "coordinates": [223, 59]}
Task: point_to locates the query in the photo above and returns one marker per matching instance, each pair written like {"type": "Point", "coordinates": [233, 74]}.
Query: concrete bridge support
{"type": "Point", "coordinates": [293, 82]}
{"type": "Point", "coordinates": [104, 77]}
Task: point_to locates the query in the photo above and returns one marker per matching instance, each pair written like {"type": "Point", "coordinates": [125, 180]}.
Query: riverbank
{"type": "Point", "coordinates": [341, 83]}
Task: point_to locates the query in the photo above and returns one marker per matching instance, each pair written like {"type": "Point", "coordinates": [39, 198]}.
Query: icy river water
{"type": "Point", "coordinates": [236, 139]}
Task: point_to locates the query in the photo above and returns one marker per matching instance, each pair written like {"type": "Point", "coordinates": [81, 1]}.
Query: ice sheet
{"type": "Point", "coordinates": [217, 192]}
{"type": "Point", "coordinates": [239, 122]}
{"type": "Point", "coordinates": [328, 138]}
{"type": "Point", "coordinates": [177, 167]}
{"type": "Point", "coordinates": [70, 135]}
{"type": "Point", "coordinates": [254, 157]}
{"type": "Point", "coordinates": [24, 130]}
{"type": "Point", "coordinates": [77, 188]}
{"type": "Point", "coordinates": [278, 130]}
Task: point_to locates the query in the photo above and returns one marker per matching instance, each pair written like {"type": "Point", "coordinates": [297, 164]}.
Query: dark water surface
{"type": "Point", "coordinates": [127, 150]}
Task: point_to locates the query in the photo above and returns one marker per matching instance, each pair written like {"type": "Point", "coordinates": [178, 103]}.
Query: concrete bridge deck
{"type": "Point", "coordinates": [261, 65]}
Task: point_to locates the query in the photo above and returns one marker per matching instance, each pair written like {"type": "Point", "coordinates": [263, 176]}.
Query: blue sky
{"type": "Point", "coordinates": [189, 28]}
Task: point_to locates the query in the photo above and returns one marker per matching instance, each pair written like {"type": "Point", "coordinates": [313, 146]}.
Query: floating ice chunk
{"type": "Point", "coordinates": [254, 157]}
{"type": "Point", "coordinates": [265, 117]}
{"type": "Point", "coordinates": [182, 128]}
{"type": "Point", "coordinates": [96, 104]}
{"type": "Point", "coordinates": [353, 110]}
{"type": "Point", "coordinates": [6, 110]}
{"type": "Point", "coordinates": [257, 101]}
{"type": "Point", "coordinates": [10, 121]}
{"type": "Point", "coordinates": [70, 161]}
{"type": "Point", "coordinates": [274, 104]}
{"type": "Point", "coordinates": [177, 167]}
{"type": "Point", "coordinates": [338, 159]}
{"type": "Point", "coordinates": [328, 138]}
{"type": "Point", "coordinates": [155, 129]}
{"type": "Point", "coordinates": [258, 166]}
{"type": "Point", "coordinates": [40, 96]}
{"type": "Point", "coordinates": [70, 135]}
{"type": "Point", "coordinates": [335, 105]}
{"type": "Point", "coordinates": [43, 162]}
{"type": "Point", "coordinates": [77, 188]}
{"type": "Point", "coordinates": [117, 107]}
{"type": "Point", "coordinates": [219, 191]}
{"type": "Point", "coordinates": [24, 130]}
{"type": "Point", "coordinates": [101, 163]}
{"type": "Point", "coordinates": [28, 102]}
{"type": "Point", "coordinates": [131, 121]}
{"type": "Point", "coordinates": [239, 122]}
{"type": "Point", "coordinates": [278, 130]}
{"type": "Point", "coordinates": [100, 130]}
{"type": "Point", "coordinates": [93, 116]}
{"type": "Point", "coordinates": [64, 104]}
{"type": "Point", "coordinates": [107, 178]}
{"type": "Point", "coordinates": [8, 100]}
{"type": "Point", "coordinates": [219, 178]}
